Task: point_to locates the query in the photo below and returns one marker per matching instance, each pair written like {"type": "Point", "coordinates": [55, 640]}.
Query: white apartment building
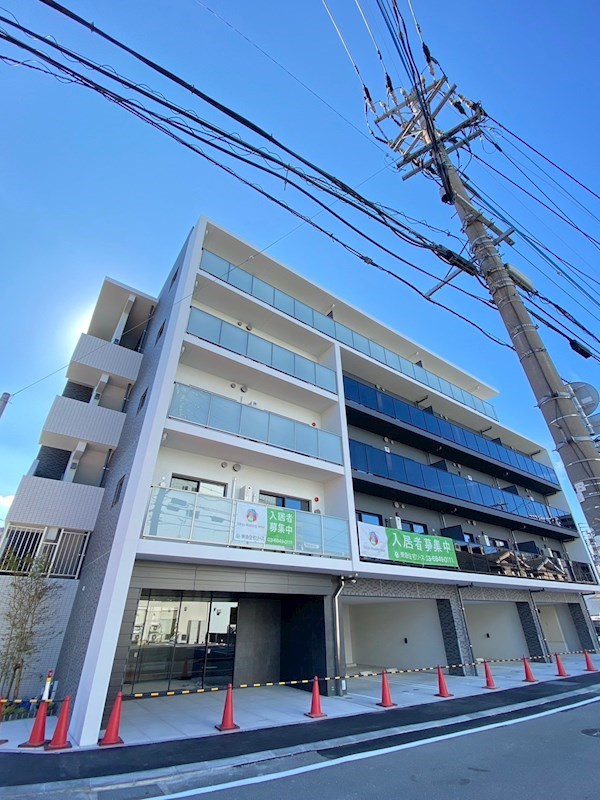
{"type": "Point", "coordinates": [244, 486]}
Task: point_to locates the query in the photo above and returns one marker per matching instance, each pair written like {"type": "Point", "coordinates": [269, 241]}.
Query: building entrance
{"type": "Point", "coordinates": [181, 640]}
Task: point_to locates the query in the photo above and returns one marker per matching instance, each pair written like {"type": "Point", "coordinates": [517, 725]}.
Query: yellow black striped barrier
{"type": "Point", "coordinates": [301, 681]}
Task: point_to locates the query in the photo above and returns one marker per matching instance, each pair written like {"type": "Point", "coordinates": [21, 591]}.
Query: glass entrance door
{"type": "Point", "coordinates": [181, 640]}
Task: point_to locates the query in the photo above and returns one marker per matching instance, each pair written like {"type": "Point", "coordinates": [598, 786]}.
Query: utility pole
{"type": "Point", "coordinates": [4, 402]}
{"type": "Point", "coordinates": [571, 436]}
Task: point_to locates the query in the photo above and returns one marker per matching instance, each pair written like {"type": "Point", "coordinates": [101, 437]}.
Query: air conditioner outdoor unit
{"type": "Point", "coordinates": [247, 494]}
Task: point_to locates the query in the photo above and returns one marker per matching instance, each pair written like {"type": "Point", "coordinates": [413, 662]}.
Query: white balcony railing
{"type": "Point", "coordinates": [58, 556]}
{"type": "Point", "coordinates": [191, 517]}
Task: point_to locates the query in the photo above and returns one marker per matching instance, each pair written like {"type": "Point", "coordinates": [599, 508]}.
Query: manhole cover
{"type": "Point", "coordinates": [591, 732]}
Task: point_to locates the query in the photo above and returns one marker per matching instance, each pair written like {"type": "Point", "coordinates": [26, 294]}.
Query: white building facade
{"type": "Point", "coordinates": [248, 486]}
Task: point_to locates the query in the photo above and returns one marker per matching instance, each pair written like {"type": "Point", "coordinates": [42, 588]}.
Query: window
{"type": "Point", "coordinates": [173, 279]}
{"type": "Point", "coordinates": [413, 527]}
{"type": "Point", "coordinates": [160, 333]}
{"type": "Point", "coordinates": [142, 402]}
{"type": "Point", "coordinates": [284, 502]}
{"type": "Point", "coordinates": [370, 519]}
{"type": "Point", "coordinates": [118, 490]}
{"type": "Point", "coordinates": [212, 488]}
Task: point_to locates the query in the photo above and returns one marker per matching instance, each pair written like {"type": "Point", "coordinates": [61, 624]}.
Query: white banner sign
{"type": "Point", "coordinates": [250, 524]}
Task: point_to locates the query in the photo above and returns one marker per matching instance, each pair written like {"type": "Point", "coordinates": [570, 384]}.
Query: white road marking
{"type": "Point", "coordinates": [360, 756]}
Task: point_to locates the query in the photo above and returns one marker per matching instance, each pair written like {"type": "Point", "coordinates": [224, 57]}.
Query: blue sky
{"type": "Point", "coordinates": [87, 190]}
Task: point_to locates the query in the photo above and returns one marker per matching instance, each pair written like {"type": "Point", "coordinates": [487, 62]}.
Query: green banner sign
{"type": "Point", "coordinates": [281, 527]}
{"type": "Point", "coordinates": [392, 544]}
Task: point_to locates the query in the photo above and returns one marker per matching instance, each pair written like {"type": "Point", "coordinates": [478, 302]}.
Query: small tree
{"type": "Point", "coordinates": [26, 624]}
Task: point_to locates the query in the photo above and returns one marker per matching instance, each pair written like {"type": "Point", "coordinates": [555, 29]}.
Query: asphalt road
{"type": "Point", "coordinates": [546, 757]}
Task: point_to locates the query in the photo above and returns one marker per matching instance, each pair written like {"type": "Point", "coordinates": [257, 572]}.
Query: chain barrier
{"type": "Point", "coordinates": [305, 681]}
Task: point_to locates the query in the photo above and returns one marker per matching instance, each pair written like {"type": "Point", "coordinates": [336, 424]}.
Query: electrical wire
{"type": "Point", "coordinates": [545, 158]}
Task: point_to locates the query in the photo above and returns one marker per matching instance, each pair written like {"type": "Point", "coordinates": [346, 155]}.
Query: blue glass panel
{"type": "Point", "coordinates": [281, 432]}
{"type": "Point", "coordinates": [283, 360]}
{"type": "Point", "coordinates": [307, 440]}
{"type": "Point", "coordinates": [398, 469]}
{"type": "Point", "coordinates": [330, 447]}
{"type": "Point", "coordinates": [367, 396]}
{"type": "Point", "coordinates": [361, 343]}
{"type": "Point", "coordinates": [377, 462]}
{"type": "Point", "coordinates": [283, 302]}
{"type": "Point", "coordinates": [385, 404]}
{"type": "Point", "coordinates": [414, 473]}
{"type": "Point", "coordinates": [324, 324]}
{"type": "Point", "coordinates": [351, 389]}
{"type": "Point", "coordinates": [234, 338]}
{"type": "Point", "coordinates": [402, 411]}
{"type": "Point", "coordinates": [260, 350]}
{"type": "Point", "coordinates": [214, 264]}
{"type": "Point", "coordinates": [358, 456]}
{"type": "Point", "coordinates": [243, 280]}
{"type": "Point", "coordinates": [431, 478]}
{"type": "Point", "coordinates": [325, 378]}
{"type": "Point", "coordinates": [377, 352]}
{"type": "Point", "coordinates": [263, 291]}
{"type": "Point", "coordinates": [204, 325]}
{"type": "Point", "coordinates": [254, 424]}
{"type": "Point", "coordinates": [343, 334]}
{"type": "Point", "coordinates": [406, 366]}
{"type": "Point", "coordinates": [303, 312]}
{"type": "Point", "coordinates": [224, 414]}
{"type": "Point", "coordinates": [304, 369]}
{"type": "Point", "coordinates": [190, 404]}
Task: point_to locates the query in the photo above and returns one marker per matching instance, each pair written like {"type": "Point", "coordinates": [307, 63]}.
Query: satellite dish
{"type": "Point", "coordinates": [594, 421]}
{"type": "Point", "coordinates": [586, 395]}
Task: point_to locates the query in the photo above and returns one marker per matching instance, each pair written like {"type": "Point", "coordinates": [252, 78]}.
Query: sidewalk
{"type": "Point", "coordinates": [166, 732]}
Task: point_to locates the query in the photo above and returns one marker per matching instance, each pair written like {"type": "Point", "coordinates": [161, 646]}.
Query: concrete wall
{"type": "Point", "coordinates": [495, 630]}
{"type": "Point", "coordinates": [379, 630]}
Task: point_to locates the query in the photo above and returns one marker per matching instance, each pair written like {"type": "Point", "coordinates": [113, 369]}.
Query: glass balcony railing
{"type": "Point", "coordinates": [404, 470]}
{"type": "Point", "coordinates": [512, 564]}
{"type": "Point", "coordinates": [223, 414]}
{"type": "Point", "coordinates": [236, 339]}
{"type": "Point", "coordinates": [236, 276]}
{"type": "Point", "coordinates": [191, 517]}
{"type": "Point", "coordinates": [405, 412]}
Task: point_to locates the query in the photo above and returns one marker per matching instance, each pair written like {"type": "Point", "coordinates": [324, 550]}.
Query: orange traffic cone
{"type": "Point", "coordinates": [561, 670]}
{"type": "Point", "coordinates": [315, 706]}
{"type": "Point", "coordinates": [2, 741]}
{"type": "Point", "coordinates": [589, 666]}
{"type": "Point", "coordinates": [111, 735]}
{"type": "Point", "coordinates": [59, 739]}
{"type": "Point", "coordinates": [37, 737]}
{"type": "Point", "coordinates": [386, 697]}
{"type": "Point", "coordinates": [227, 723]}
{"type": "Point", "coordinates": [528, 673]}
{"type": "Point", "coordinates": [442, 688]}
{"type": "Point", "coordinates": [489, 678]}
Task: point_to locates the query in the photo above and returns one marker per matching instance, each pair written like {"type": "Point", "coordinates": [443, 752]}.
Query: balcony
{"type": "Point", "coordinates": [513, 564]}
{"type": "Point", "coordinates": [58, 504]}
{"type": "Point", "coordinates": [223, 414]}
{"type": "Point", "coordinates": [196, 518]}
{"type": "Point", "coordinates": [95, 357]}
{"type": "Point", "coordinates": [237, 340]}
{"type": "Point", "coordinates": [59, 557]}
{"type": "Point", "coordinates": [435, 488]}
{"type": "Point", "coordinates": [246, 282]}
{"type": "Point", "coordinates": [71, 421]}
{"type": "Point", "coordinates": [444, 438]}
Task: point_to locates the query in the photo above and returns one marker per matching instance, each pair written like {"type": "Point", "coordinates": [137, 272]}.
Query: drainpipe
{"type": "Point", "coordinates": [337, 652]}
